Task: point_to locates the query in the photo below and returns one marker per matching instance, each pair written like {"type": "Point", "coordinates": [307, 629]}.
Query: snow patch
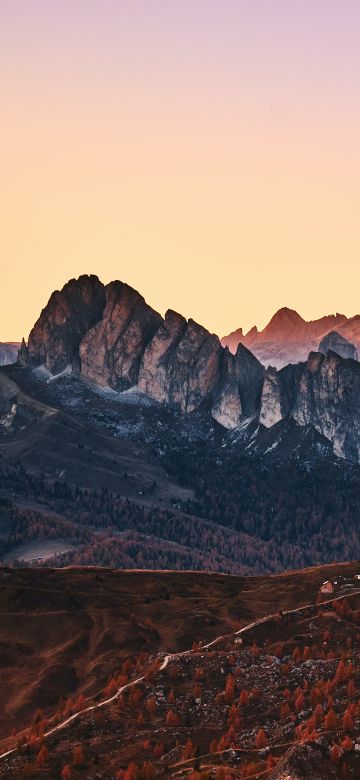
{"type": "Point", "coordinates": [272, 446]}
{"type": "Point", "coordinates": [66, 372]}
{"type": "Point", "coordinates": [43, 373]}
{"type": "Point", "coordinates": [133, 396]}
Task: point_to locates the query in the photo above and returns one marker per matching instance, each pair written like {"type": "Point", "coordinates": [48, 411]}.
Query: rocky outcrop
{"type": "Point", "coordinates": [181, 365]}
{"type": "Point", "coordinates": [273, 399]}
{"type": "Point", "coordinates": [329, 398]}
{"type": "Point", "coordinates": [111, 351]}
{"type": "Point", "coordinates": [323, 392]}
{"type": "Point", "coordinates": [239, 392]}
{"type": "Point", "coordinates": [335, 342]}
{"type": "Point", "coordinates": [23, 354]}
{"type": "Point", "coordinates": [55, 338]}
{"type": "Point", "coordinates": [279, 393]}
{"type": "Point", "coordinates": [227, 408]}
{"type": "Point", "coordinates": [157, 363]}
{"type": "Point", "coordinates": [184, 366]}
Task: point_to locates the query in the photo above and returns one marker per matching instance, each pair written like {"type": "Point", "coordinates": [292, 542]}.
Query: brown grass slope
{"type": "Point", "coordinates": [67, 631]}
{"type": "Point", "coordinates": [53, 441]}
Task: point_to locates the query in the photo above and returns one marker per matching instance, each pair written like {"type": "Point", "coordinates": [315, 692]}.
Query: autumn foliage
{"type": "Point", "coordinates": [261, 739]}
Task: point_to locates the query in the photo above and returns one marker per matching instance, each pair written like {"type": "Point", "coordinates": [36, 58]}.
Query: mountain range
{"type": "Point", "coordinates": [288, 338]}
{"type": "Point", "coordinates": [194, 457]}
{"type": "Point", "coordinates": [111, 338]}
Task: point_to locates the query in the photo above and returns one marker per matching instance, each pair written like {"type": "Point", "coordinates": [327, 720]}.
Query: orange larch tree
{"type": "Point", "coordinates": [331, 722]}
{"type": "Point", "coordinates": [261, 739]}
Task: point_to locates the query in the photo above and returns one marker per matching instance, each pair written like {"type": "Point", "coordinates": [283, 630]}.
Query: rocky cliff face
{"type": "Point", "coordinates": [335, 342]}
{"type": "Point", "coordinates": [239, 391]}
{"type": "Point", "coordinates": [329, 398]}
{"type": "Point", "coordinates": [181, 365]}
{"type": "Point", "coordinates": [279, 393]}
{"type": "Point", "coordinates": [111, 351]}
{"type": "Point", "coordinates": [158, 360]}
{"type": "Point", "coordinates": [273, 399]}
{"type": "Point", "coordinates": [323, 392]}
{"type": "Point", "coordinates": [55, 338]}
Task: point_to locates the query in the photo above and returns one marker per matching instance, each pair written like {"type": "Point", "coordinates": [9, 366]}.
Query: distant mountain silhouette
{"type": "Point", "coordinates": [288, 338]}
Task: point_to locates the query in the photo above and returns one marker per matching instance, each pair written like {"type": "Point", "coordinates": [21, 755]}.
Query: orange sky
{"type": "Point", "coordinates": [211, 160]}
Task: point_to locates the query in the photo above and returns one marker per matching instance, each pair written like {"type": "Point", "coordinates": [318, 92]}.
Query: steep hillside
{"type": "Point", "coordinates": [94, 478]}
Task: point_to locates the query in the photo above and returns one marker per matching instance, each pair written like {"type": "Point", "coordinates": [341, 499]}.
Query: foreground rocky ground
{"type": "Point", "coordinates": [268, 686]}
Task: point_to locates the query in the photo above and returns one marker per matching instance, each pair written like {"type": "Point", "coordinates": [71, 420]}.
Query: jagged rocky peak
{"type": "Point", "coordinates": [285, 325]}
{"type": "Point", "coordinates": [323, 392]}
{"type": "Point", "coordinates": [239, 390]}
{"type": "Point", "coordinates": [117, 340]}
{"type": "Point", "coordinates": [111, 351]}
{"type": "Point", "coordinates": [227, 408]}
{"type": "Point", "coordinates": [251, 335]}
{"type": "Point", "coordinates": [23, 354]}
{"type": "Point", "coordinates": [157, 361]}
{"type": "Point", "coordinates": [233, 339]}
{"type": "Point", "coordinates": [55, 338]}
{"type": "Point", "coordinates": [335, 342]}
{"type": "Point", "coordinates": [329, 398]}
{"type": "Point", "coordinates": [250, 375]}
{"type": "Point", "coordinates": [181, 365]}
{"type": "Point", "coordinates": [279, 393]}
{"type": "Point", "coordinates": [184, 366]}
{"type": "Point", "coordinates": [288, 338]}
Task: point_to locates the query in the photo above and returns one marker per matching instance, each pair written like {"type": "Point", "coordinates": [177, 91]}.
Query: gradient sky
{"type": "Point", "coordinates": [205, 151]}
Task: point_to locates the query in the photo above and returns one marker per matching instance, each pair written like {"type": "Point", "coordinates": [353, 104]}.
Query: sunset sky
{"type": "Point", "coordinates": [205, 151]}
